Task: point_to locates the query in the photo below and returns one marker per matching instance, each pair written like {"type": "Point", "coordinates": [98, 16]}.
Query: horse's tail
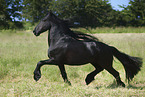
{"type": "Point", "coordinates": [132, 65]}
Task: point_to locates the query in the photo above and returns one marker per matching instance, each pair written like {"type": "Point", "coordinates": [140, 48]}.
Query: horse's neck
{"type": "Point", "coordinates": [54, 35]}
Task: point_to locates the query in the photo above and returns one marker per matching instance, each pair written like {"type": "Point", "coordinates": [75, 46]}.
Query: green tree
{"type": "Point", "coordinates": [137, 8]}
{"type": "Point", "coordinates": [135, 12]}
{"type": "Point", "coordinates": [9, 12]}
{"type": "Point", "coordinates": [3, 14]}
{"type": "Point", "coordinates": [34, 10]}
{"type": "Point", "coordinates": [87, 12]}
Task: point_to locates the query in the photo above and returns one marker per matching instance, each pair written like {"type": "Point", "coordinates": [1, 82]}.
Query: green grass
{"type": "Point", "coordinates": [20, 52]}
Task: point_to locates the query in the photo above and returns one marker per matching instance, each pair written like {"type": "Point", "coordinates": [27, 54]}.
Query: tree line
{"type": "Point", "coordinates": [83, 13]}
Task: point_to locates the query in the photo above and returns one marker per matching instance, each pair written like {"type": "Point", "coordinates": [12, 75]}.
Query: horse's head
{"type": "Point", "coordinates": [44, 25]}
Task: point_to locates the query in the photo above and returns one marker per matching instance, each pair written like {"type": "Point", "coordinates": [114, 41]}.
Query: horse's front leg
{"type": "Point", "coordinates": [37, 72]}
{"type": "Point", "coordinates": [63, 73]}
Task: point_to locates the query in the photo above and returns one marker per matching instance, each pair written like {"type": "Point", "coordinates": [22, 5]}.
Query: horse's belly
{"type": "Point", "coordinates": [79, 56]}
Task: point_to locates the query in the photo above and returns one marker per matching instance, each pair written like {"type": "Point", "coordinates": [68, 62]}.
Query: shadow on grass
{"type": "Point", "coordinates": [98, 87]}
{"type": "Point", "coordinates": [140, 86]}
{"type": "Point", "coordinates": [136, 86]}
{"type": "Point", "coordinates": [113, 85]}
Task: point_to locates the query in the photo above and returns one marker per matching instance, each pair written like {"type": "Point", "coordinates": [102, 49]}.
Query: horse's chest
{"type": "Point", "coordinates": [56, 51]}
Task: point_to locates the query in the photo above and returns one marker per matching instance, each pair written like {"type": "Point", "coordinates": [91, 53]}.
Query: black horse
{"type": "Point", "coordinates": [68, 47]}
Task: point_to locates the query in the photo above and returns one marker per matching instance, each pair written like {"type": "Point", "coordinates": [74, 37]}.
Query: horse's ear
{"type": "Point", "coordinates": [50, 12]}
{"type": "Point", "coordinates": [47, 16]}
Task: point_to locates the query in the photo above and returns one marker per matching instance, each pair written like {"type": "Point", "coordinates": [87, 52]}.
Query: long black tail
{"type": "Point", "coordinates": [131, 64]}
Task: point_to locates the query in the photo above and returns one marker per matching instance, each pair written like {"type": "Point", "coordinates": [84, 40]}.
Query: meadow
{"type": "Point", "coordinates": [21, 50]}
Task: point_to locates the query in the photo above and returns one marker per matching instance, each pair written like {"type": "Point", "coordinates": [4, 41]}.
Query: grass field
{"type": "Point", "coordinates": [20, 51]}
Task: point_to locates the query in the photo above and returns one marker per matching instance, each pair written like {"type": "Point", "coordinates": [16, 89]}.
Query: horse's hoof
{"type": "Point", "coordinates": [36, 78]}
{"type": "Point", "coordinates": [121, 84]}
{"type": "Point", "coordinates": [37, 75]}
{"type": "Point", "coordinates": [69, 83]}
{"type": "Point", "coordinates": [89, 80]}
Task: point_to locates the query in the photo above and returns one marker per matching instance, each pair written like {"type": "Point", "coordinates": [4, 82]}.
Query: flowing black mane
{"type": "Point", "coordinates": [85, 37]}
{"type": "Point", "coordinates": [75, 34]}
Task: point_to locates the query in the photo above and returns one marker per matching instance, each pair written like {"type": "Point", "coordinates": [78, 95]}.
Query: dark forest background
{"type": "Point", "coordinates": [14, 14]}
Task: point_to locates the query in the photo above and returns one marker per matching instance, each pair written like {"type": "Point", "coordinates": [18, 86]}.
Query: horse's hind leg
{"type": "Point", "coordinates": [107, 64]}
{"type": "Point", "coordinates": [90, 76]}
{"type": "Point", "coordinates": [116, 75]}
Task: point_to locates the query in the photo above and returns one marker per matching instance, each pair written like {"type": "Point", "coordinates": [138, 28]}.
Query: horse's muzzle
{"type": "Point", "coordinates": [35, 33]}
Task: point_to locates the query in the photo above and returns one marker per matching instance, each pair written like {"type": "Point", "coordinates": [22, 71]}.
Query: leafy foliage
{"type": "Point", "coordinates": [10, 11]}
{"type": "Point", "coordinates": [84, 13]}
{"type": "Point", "coordinates": [135, 13]}
{"type": "Point", "coordinates": [87, 13]}
{"type": "Point", "coordinates": [34, 10]}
